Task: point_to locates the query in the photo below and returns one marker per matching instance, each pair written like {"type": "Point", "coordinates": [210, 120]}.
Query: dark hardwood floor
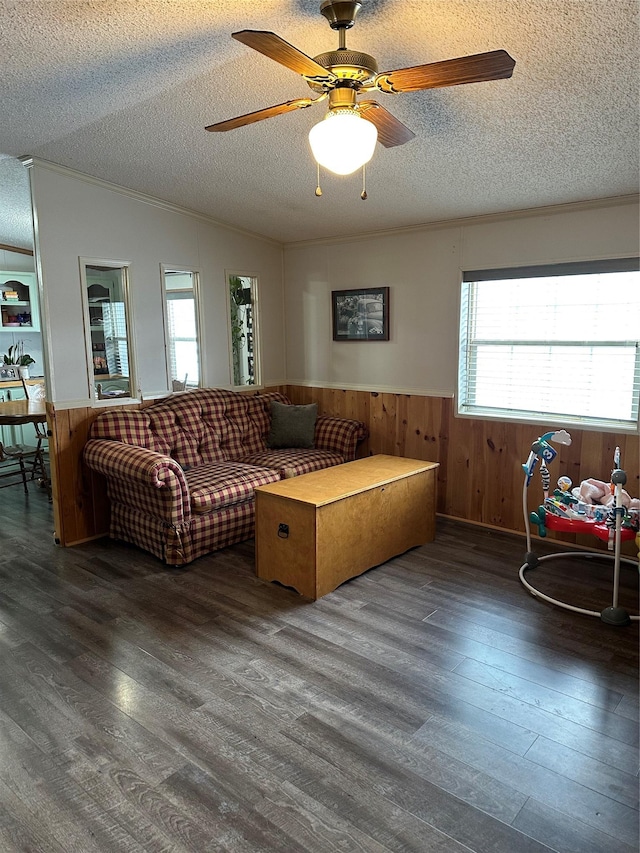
{"type": "Point", "coordinates": [430, 705]}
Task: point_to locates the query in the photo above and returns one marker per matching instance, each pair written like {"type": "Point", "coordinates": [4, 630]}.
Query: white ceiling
{"type": "Point", "coordinates": [122, 90]}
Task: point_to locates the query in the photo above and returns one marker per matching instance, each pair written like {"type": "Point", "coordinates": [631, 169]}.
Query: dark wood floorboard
{"type": "Point", "coordinates": [431, 704]}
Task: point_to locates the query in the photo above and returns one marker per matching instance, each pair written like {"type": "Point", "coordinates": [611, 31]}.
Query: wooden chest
{"type": "Point", "coordinates": [316, 531]}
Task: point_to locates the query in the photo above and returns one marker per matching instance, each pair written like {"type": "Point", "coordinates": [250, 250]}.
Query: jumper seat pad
{"type": "Point", "coordinates": [181, 473]}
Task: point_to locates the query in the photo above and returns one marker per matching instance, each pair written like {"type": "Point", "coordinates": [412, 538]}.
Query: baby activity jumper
{"type": "Point", "coordinates": [603, 510]}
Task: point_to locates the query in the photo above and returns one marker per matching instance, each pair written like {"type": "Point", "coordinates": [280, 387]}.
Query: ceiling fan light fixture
{"type": "Point", "coordinates": [343, 141]}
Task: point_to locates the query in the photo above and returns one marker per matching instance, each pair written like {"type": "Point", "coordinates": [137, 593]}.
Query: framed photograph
{"type": "Point", "coordinates": [9, 372]}
{"type": "Point", "coordinates": [361, 315]}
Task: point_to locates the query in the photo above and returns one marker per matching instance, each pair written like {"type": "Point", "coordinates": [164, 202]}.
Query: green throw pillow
{"type": "Point", "coordinates": [292, 426]}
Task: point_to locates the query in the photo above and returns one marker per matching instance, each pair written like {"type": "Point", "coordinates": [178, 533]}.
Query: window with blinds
{"type": "Point", "coordinates": [181, 319]}
{"type": "Point", "coordinates": [554, 343]}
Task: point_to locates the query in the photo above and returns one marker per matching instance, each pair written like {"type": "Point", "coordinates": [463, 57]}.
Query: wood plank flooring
{"type": "Point", "coordinates": [431, 704]}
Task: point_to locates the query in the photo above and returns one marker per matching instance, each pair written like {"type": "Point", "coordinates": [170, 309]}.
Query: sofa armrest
{"type": "Point", "coordinates": [339, 435]}
{"type": "Point", "coordinates": [142, 479]}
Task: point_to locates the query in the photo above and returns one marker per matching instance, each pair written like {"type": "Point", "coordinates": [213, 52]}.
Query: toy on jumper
{"type": "Point", "coordinates": [564, 510]}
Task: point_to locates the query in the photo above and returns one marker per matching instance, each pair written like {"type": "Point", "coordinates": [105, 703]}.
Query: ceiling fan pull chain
{"type": "Point", "coordinates": [363, 194]}
{"type": "Point", "coordinates": [318, 189]}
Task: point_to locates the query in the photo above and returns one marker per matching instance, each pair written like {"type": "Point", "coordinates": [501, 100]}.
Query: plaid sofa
{"type": "Point", "coordinates": [181, 473]}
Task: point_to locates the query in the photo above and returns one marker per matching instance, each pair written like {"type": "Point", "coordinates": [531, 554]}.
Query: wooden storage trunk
{"type": "Point", "coordinates": [316, 531]}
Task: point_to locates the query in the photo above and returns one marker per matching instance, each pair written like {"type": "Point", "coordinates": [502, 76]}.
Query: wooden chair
{"type": "Point", "coordinates": [36, 391]}
{"type": "Point", "coordinates": [179, 385]}
{"type": "Point", "coordinates": [12, 467]}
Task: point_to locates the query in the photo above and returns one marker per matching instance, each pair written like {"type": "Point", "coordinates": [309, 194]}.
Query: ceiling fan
{"type": "Point", "coordinates": [343, 74]}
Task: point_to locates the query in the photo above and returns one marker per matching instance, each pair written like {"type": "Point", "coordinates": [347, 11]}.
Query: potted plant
{"type": "Point", "coordinates": [16, 355]}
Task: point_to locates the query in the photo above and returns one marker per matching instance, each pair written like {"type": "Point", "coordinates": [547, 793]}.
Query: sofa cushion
{"type": "Point", "coordinates": [182, 431]}
{"type": "Point", "coordinates": [130, 427]}
{"type": "Point", "coordinates": [222, 484]}
{"type": "Point", "coordinates": [292, 426]}
{"type": "Point", "coordinates": [292, 462]}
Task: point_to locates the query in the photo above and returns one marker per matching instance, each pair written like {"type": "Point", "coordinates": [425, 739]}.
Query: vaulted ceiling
{"type": "Point", "coordinates": [122, 91]}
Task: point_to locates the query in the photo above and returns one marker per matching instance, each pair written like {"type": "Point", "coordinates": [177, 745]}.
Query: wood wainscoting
{"type": "Point", "coordinates": [479, 479]}
{"type": "Point", "coordinates": [480, 476]}
{"type": "Point", "coordinates": [80, 504]}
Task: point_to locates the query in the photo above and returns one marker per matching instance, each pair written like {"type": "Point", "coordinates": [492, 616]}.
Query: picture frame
{"type": "Point", "coordinates": [9, 373]}
{"type": "Point", "coordinates": [361, 314]}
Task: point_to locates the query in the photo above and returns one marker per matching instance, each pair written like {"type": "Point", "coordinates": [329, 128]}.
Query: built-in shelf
{"type": "Point", "coordinates": [22, 313]}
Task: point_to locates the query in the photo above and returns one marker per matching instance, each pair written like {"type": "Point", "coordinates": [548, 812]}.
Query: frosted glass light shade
{"type": "Point", "coordinates": [343, 141]}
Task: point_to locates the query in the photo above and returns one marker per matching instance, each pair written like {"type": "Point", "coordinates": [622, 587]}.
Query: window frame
{"type": "Point", "coordinates": [195, 289]}
{"type": "Point", "coordinates": [465, 405]}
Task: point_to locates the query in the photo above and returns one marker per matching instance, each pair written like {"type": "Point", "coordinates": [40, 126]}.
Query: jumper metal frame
{"type": "Point", "coordinates": [543, 452]}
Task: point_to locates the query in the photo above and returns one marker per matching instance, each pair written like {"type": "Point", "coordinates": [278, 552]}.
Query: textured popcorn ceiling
{"type": "Point", "coordinates": [122, 90]}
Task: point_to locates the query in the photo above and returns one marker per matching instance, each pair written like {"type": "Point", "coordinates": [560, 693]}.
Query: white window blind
{"type": "Point", "coordinates": [558, 343]}
{"type": "Point", "coordinates": [115, 336]}
{"type": "Point", "coordinates": [182, 335]}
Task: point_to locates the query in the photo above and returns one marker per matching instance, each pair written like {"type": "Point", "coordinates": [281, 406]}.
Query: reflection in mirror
{"type": "Point", "coordinates": [16, 221]}
{"type": "Point", "coordinates": [20, 327]}
{"type": "Point", "coordinates": [243, 324]}
{"type": "Point", "coordinates": [105, 297]}
{"type": "Point", "coordinates": [181, 328]}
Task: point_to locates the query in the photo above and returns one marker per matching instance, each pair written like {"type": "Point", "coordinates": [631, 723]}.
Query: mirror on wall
{"type": "Point", "coordinates": [105, 289]}
{"type": "Point", "coordinates": [243, 322]}
{"type": "Point", "coordinates": [181, 322]}
{"type": "Point", "coordinates": [21, 330]}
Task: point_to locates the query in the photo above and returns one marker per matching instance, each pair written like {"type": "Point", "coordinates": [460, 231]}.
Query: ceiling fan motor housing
{"type": "Point", "coordinates": [351, 66]}
{"type": "Point", "coordinates": [341, 14]}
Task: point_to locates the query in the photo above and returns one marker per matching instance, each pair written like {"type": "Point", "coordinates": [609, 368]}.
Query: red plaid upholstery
{"type": "Point", "coordinates": [292, 463]}
{"type": "Point", "coordinates": [222, 528]}
{"type": "Point", "coordinates": [171, 544]}
{"type": "Point", "coordinates": [218, 484]}
{"type": "Point", "coordinates": [177, 546]}
{"type": "Point", "coordinates": [131, 427]}
{"type": "Point", "coordinates": [339, 435]}
{"type": "Point", "coordinates": [181, 473]}
{"type": "Point", "coordinates": [141, 479]}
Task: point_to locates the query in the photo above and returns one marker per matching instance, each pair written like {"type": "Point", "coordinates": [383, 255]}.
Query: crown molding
{"type": "Point", "coordinates": [549, 210]}
{"type": "Point", "coordinates": [481, 219]}
{"type": "Point", "coordinates": [6, 248]}
{"type": "Point", "coordinates": [142, 197]}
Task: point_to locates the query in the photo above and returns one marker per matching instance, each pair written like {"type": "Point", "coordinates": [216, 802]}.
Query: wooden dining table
{"type": "Point", "coordinates": [15, 412]}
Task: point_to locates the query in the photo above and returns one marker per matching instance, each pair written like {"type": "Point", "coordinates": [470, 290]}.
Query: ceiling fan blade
{"type": "Point", "coordinates": [260, 115]}
{"type": "Point", "coordinates": [478, 68]}
{"type": "Point", "coordinates": [276, 48]}
{"type": "Point", "coordinates": [391, 131]}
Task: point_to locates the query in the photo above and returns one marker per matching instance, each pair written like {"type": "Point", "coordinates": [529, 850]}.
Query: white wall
{"type": "Point", "coordinates": [423, 269]}
{"type": "Point", "coordinates": [79, 217]}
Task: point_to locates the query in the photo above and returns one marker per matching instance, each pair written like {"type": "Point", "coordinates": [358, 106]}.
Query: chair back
{"type": "Point", "coordinates": [179, 385]}
{"type": "Point", "coordinates": [35, 390]}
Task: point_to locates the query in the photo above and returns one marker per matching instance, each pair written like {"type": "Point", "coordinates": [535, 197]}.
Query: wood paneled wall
{"type": "Point", "coordinates": [479, 479]}
{"type": "Point", "coordinates": [81, 506]}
